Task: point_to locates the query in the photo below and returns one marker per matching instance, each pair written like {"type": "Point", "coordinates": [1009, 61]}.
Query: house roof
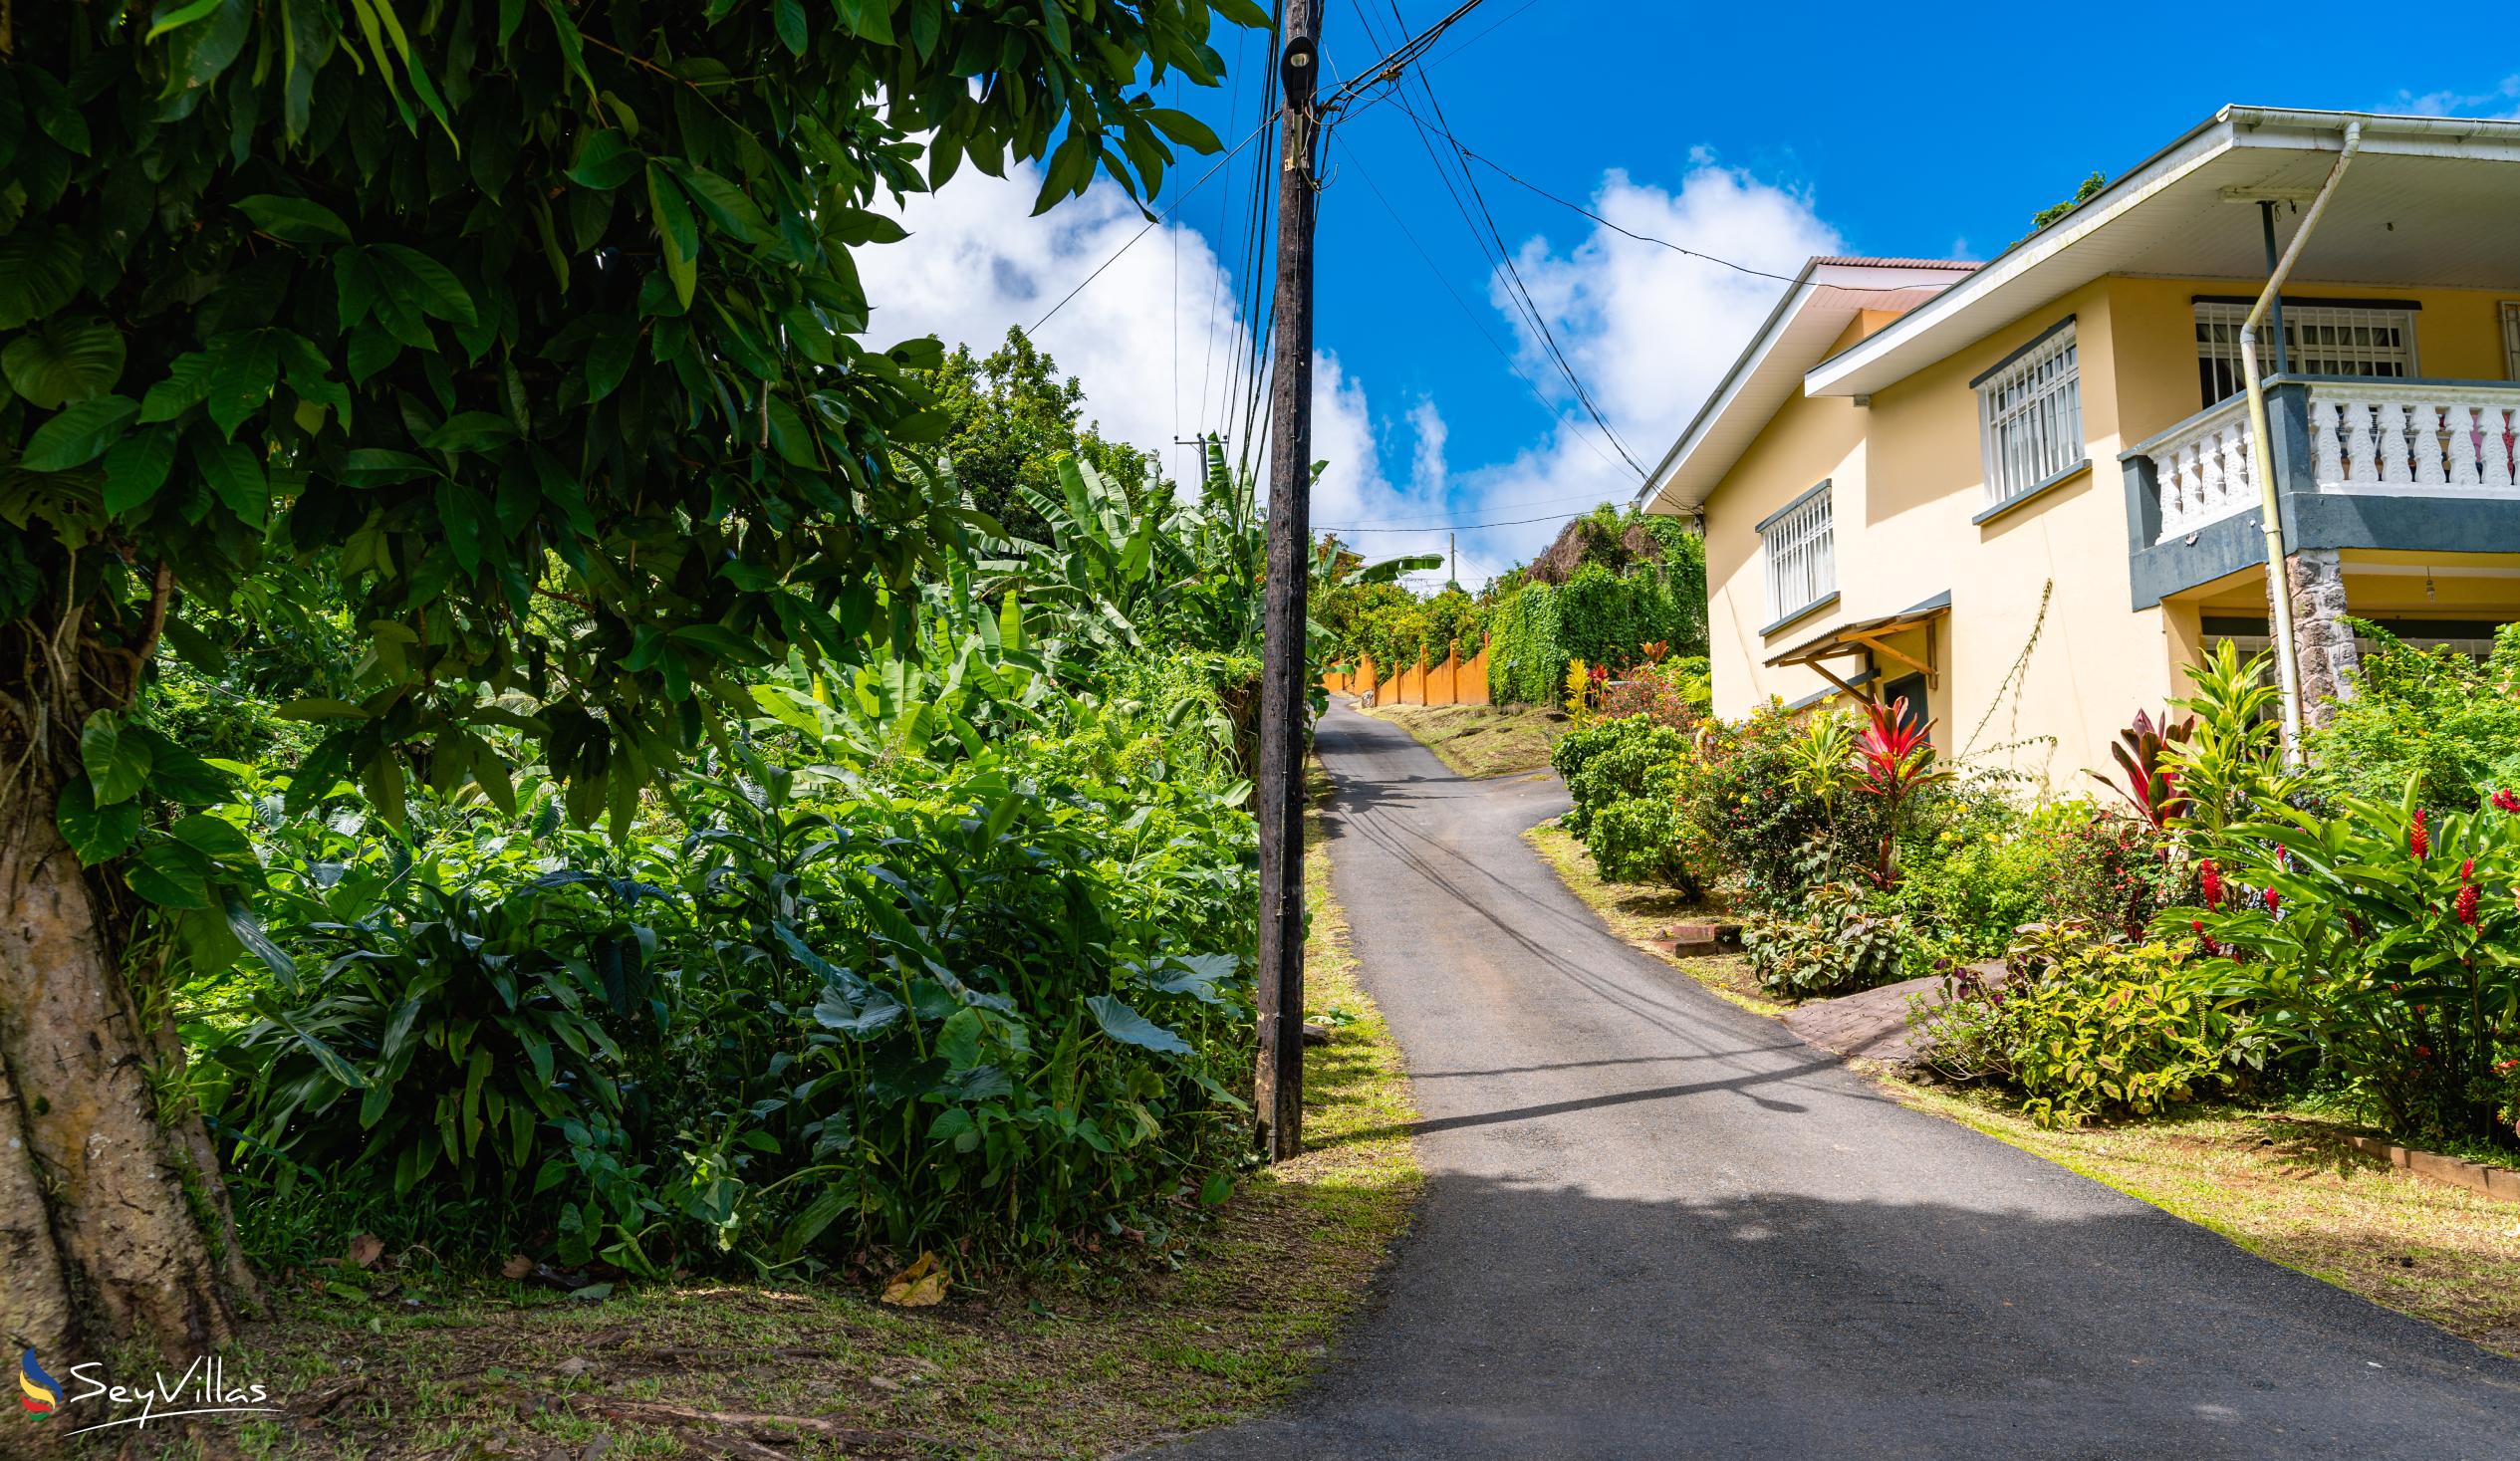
{"type": "Point", "coordinates": [1822, 300]}
{"type": "Point", "coordinates": [2415, 210]}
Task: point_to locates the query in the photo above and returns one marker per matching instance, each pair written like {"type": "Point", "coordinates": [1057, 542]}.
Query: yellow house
{"type": "Point", "coordinates": [2026, 493]}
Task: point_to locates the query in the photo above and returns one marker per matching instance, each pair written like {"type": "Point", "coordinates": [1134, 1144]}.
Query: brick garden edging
{"type": "Point", "coordinates": [2475, 1177]}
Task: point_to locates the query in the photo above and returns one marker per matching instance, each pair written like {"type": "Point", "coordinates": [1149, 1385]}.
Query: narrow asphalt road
{"type": "Point", "coordinates": [1658, 1226]}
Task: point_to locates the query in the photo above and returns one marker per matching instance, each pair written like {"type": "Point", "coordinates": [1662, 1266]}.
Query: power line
{"type": "Point", "coordinates": [1153, 224]}
{"type": "Point", "coordinates": [1441, 522]}
{"type": "Point", "coordinates": [1494, 165]}
{"type": "Point", "coordinates": [1472, 315]}
{"type": "Point", "coordinates": [1459, 527]}
{"type": "Point", "coordinates": [1492, 245]}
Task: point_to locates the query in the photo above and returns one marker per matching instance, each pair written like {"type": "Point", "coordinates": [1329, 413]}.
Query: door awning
{"type": "Point", "coordinates": [1870, 636]}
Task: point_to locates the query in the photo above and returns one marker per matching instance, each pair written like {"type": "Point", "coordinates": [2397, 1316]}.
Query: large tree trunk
{"type": "Point", "coordinates": [114, 1225]}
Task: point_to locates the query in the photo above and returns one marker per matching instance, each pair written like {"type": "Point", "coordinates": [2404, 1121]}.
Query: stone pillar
{"type": "Point", "coordinates": [2321, 638]}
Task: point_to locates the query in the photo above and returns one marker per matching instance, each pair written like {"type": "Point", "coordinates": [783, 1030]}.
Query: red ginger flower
{"type": "Point", "coordinates": [2465, 904]}
{"type": "Point", "coordinates": [2273, 898]}
{"type": "Point", "coordinates": [2213, 885]}
{"type": "Point", "coordinates": [2467, 870]}
{"type": "Point", "coordinates": [2506, 800]}
{"type": "Point", "coordinates": [2418, 839]}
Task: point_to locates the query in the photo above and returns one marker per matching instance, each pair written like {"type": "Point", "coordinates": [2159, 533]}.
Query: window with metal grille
{"type": "Point", "coordinates": [2319, 339]}
{"type": "Point", "coordinates": [1801, 553]}
{"type": "Point", "coordinates": [2030, 415]}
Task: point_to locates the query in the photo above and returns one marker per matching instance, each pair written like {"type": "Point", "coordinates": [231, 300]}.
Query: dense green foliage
{"type": "Point", "coordinates": [1613, 606]}
{"type": "Point", "coordinates": [2445, 720]}
{"type": "Point", "coordinates": [2082, 1026]}
{"type": "Point", "coordinates": [1836, 942]}
{"type": "Point", "coordinates": [1012, 420]}
{"type": "Point", "coordinates": [532, 330]}
{"type": "Point", "coordinates": [1622, 775]}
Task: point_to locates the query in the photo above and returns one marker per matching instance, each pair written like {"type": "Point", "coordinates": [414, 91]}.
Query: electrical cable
{"type": "Point", "coordinates": [1153, 224]}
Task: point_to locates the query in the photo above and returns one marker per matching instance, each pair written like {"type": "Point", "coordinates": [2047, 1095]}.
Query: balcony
{"type": "Point", "coordinates": [2358, 462]}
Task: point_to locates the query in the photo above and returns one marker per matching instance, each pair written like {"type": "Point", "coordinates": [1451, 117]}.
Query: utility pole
{"type": "Point", "coordinates": [1452, 559]}
{"type": "Point", "coordinates": [1285, 698]}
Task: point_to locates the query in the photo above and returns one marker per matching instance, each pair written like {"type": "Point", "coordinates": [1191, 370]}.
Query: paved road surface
{"type": "Point", "coordinates": [1658, 1226]}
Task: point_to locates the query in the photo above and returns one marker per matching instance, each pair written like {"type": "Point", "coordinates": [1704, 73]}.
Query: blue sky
{"type": "Point", "coordinates": [1760, 133]}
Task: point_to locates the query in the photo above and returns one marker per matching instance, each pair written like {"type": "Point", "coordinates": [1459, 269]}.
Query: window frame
{"type": "Point", "coordinates": [1814, 517]}
{"type": "Point", "coordinates": [2509, 311]}
{"type": "Point", "coordinates": [2221, 358]}
{"type": "Point", "coordinates": [2031, 441]}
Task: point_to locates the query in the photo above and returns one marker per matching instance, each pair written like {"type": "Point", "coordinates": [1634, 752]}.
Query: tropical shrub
{"type": "Point", "coordinates": [2450, 723]}
{"type": "Point", "coordinates": [1623, 778]}
{"type": "Point", "coordinates": [2080, 1025]}
{"type": "Point", "coordinates": [1601, 615]}
{"type": "Point", "coordinates": [932, 1006]}
{"type": "Point", "coordinates": [2381, 937]}
{"type": "Point", "coordinates": [1672, 692]}
{"type": "Point", "coordinates": [1843, 938]}
{"type": "Point", "coordinates": [1750, 792]}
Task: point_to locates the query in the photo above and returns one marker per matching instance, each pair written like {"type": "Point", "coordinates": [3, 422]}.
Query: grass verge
{"type": "Point", "coordinates": [1481, 740]}
{"type": "Point", "coordinates": [2283, 1184]}
{"type": "Point", "coordinates": [1638, 913]}
{"type": "Point", "coordinates": [769, 1373]}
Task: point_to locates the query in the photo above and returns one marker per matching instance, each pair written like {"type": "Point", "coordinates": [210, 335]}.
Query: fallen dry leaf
{"type": "Point", "coordinates": [365, 1250]}
{"type": "Point", "coordinates": [517, 1266]}
{"type": "Point", "coordinates": [920, 1285]}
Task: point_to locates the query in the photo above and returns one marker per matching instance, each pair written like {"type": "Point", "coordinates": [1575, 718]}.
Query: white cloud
{"type": "Point", "coordinates": [1649, 331]}
{"type": "Point", "coordinates": [2501, 102]}
{"type": "Point", "coordinates": [1155, 336]}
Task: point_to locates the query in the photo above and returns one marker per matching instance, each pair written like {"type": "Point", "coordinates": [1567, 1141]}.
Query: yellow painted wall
{"type": "Point", "coordinates": [2458, 335]}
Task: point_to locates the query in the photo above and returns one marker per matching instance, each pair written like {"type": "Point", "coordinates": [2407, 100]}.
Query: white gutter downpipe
{"type": "Point", "coordinates": [2279, 594]}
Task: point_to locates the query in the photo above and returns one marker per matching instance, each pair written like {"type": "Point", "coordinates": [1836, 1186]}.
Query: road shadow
{"type": "Point", "coordinates": [1534, 1322]}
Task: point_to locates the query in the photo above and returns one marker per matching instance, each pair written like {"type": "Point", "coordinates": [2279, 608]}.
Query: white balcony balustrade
{"type": "Point", "coordinates": [2410, 438]}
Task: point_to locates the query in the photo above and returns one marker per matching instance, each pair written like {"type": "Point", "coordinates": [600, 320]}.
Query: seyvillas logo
{"type": "Point", "coordinates": [39, 1393]}
{"type": "Point", "coordinates": [203, 1390]}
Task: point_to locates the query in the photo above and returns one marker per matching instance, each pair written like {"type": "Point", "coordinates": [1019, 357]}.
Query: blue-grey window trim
{"type": "Point", "coordinates": [2040, 488]}
{"type": "Point", "coordinates": [2033, 343]}
{"type": "Point", "coordinates": [1770, 520]}
{"type": "Point", "coordinates": [2314, 301]}
{"type": "Point", "coordinates": [1804, 613]}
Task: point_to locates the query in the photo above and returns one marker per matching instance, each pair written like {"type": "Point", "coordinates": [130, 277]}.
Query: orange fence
{"type": "Point", "coordinates": [1456, 681]}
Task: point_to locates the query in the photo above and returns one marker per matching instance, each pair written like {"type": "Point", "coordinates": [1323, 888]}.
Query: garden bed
{"type": "Point", "coordinates": [1151, 1346]}
{"type": "Point", "coordinates": [1481, 740]}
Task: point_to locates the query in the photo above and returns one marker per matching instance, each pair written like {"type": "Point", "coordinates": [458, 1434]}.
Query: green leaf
{"type": "Point", "coordinates": [186, 385]}
{"type": "Point", "coordinates": [789, 17]}
{"type": "Point", "coordinates": [214, 837]}
{"type": "Point", "coordinates": [79, 435]}
{"type": "Point", "coordinates": [243, 368]}
{"type": "Point", "coordinates": [60, 360]}
{"type": "Point", "coordinates": [249, 932]}
{"type": "Point", "coordinates": [869, 20]}
{"type": "Point", "coordinates": [434, 287]}
{"type": "Point", "coordinates": [677, 232]}
{"type": "Point", "coordinates": [98, 834]}
{"type": "Point", "coordinates": [606, 161]}
{"type": "Point", "coordinates": [39, 273]}
{"type": "Point", "coordinates": [116, 756]}
{"type": "Point", "coordinates": [235, 475]}
{"type": "Point", "coordinates": [609, 359]}
{"type": "Point", "coordinates": [472, 431]}
{"type": "Point", "coordinates": [136, 468]}
{"type": "Point", "coordinates": [294, 220]}
{"type": "Point", "coordinates": [726, 204]}
{"type": "Point", "coordinates": [1128, 1027]}
{"type": "Point", "coordinates": [1185, 128]}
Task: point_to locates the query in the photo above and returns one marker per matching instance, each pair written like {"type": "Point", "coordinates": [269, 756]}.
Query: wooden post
{"type": "Point", "coordinates": [1278, 1085]}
